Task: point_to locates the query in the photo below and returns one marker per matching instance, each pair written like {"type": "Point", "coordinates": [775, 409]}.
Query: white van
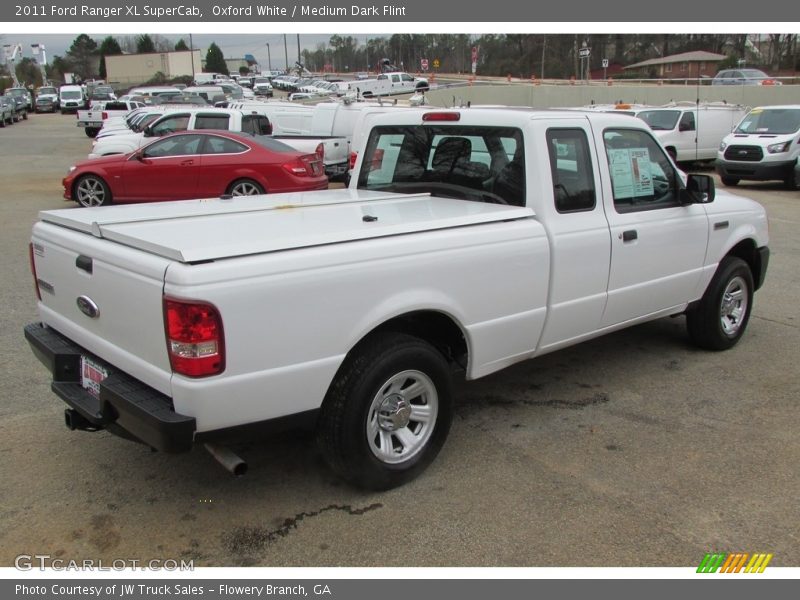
{"type": "Point", "coordinates": [150, 92]}
{"type": "Point", "coordinates": [692, 132]}
{"type": "Point", "coordinates": [71, 98]}
{"type": "Point", "coordinates": [765, 146]}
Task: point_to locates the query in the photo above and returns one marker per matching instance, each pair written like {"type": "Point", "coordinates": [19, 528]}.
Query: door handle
{"type": "Point", "coordinates": [187, 163]}
{"type": "Point", "coordinates": [629, 236]}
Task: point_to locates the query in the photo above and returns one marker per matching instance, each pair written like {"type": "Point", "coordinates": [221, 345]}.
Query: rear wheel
{"type": "Point", "coordinates": [387, 413]}
{"type": "Point", "coordinates": [718, 321]}
{"type": "Point", "coordinates": [91, 190]}
{"type": "Point", "coordinates": [245, 187]}
{"type": "Point", "coordinates": [730, 181]}
{"type": "Point", "coordinates": [92, 131]}
{"type": "Point", "coordinates": [790, 182]}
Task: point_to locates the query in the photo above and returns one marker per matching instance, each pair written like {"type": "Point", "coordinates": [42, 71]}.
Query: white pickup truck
{"type": "Point", "coordinates": [387, 84]}
{"type": "Point", "coordinates": [92, 120]}
{"type": "Point", "coordinates": [467, 241]}
{"type": "Point", "coordinates": [332, 149]}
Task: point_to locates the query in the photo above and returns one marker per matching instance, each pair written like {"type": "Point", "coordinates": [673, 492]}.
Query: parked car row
{"type": "Point", "coordinates": [15, 105]}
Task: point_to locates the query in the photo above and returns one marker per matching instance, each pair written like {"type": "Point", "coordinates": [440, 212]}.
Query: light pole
{"type": "Point", "coordinates": [191, 53]}
{"type": "Point", "coordinates": [269, 59]}
{"type": "Point", "coordinates": [286, 52]}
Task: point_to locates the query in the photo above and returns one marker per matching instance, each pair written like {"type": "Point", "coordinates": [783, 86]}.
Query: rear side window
{"type": "Point", "coordinates": [571, 167]}
{"type": "Point", "coordinates": [256, 125]}
{"type": "Point", "coordinates": [212, 122]}
{"type": "Point", "coordinates": [220, 145]}
{"type": "Point", "coordinates": [642, 176]}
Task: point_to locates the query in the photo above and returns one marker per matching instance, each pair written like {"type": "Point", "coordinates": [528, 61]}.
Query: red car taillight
{"type": "Point", "coordinates": [195, 341]}
{"type": "Point", "coordinates": [33, 271]}
{"type": "Point", "coordinates": [309, 165]}
{"type": "Point", "coordinates": [353, 158]}
{"type": "Point", "coordinates": [320, 152]}
{"type": "Point", "coordinates": [105, 115]}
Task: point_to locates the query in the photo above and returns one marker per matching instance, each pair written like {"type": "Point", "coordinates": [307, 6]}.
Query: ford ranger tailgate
{"type": "Point", "coordinates": [202, 230]}
{"type": "Point", "coordinates": [105, 298]}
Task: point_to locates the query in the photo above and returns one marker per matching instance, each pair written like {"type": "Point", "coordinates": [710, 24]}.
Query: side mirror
{"type": "Point", "coordinates": [148, 131]}
{"type": "Point", "coordinates": [699, 190]}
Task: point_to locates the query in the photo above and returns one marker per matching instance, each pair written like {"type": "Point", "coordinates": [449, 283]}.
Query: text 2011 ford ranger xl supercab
{"type": "Point", "coordinates": [468, 241]}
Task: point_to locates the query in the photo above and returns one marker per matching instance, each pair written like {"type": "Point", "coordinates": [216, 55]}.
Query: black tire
{"type": "Point", "coordinates": [25, 116]}
{"type": "Point", "coordinates": [245, 187]}
{"type": "Point", "coordinates": [720, 318]}
{"type": "Point", "coordinates": [790, 182]}
{"type": "Point", "coordinates": [364, 431]}
{"type": "Point", "coordinates": [90, 191]}
{"type": "Point", "coordinates": [729, 181]}
{"type": "Point", "coordinates": [91, 131]}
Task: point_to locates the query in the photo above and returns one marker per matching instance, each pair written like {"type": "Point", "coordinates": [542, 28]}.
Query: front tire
{"type": "Point", "coordinates": [387, 413]}
{"type": "Point", "coordinates": [718, 321]}
{"type": "Point", "coordinates": [730, 181]}
{"type": "Point", "coordinates": [91, 190]}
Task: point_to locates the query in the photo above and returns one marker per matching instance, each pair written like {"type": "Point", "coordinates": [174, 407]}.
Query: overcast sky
{"type": "Point", "coordinates": [233, 46]}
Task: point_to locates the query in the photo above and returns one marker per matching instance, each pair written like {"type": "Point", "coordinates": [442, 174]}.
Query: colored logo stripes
{"type": "Point", "coordinates": [734, 563]}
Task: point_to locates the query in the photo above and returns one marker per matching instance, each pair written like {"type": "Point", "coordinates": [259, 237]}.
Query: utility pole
{"type": "Point", "coordinates": [286, 52]}
{"type": "Point", "coordinates": [269, 59]}
{"type": "Point", "coordinates": [298, 49]}
{"type": "Point", "coordinates": [191, 49]}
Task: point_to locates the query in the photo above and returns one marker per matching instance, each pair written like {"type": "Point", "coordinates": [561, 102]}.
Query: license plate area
{"type": "Point", "coordinates": [92, 374]}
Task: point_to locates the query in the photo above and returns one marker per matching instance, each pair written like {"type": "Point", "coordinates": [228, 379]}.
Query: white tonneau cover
{"type": "Point", "coordinates": [201, 230]}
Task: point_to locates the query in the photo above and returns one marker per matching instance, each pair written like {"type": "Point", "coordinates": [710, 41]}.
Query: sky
{"type": "Point", "coordinates": [233, 46]}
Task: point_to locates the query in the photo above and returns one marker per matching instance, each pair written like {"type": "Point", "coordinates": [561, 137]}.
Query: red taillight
{"type": "Point", "coordinates": [33, 271]}
{"type": "Point", "coordinates": [320, 151]}
{"type": "Point", "coordinates": [305, 166]}
{"type": "Point", "coordinates": [769, 82]}
{"type": "Point", "coordinates": [441, 116]}
{"type": "Point", "coordinates": [195, 342]}
{"type": "Point", "coordinates": [105, 115]}
{"type": "Point", "coordinates": [353, 158]}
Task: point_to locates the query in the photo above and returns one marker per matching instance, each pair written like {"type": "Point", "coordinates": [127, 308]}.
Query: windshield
{"type": "Point", "coordinates": [71, 95]}
{"type": "Point", "coordinates": [770, 120]}
{"type": "Point", "coordinates": [660, 120]}
{"type": "Point", "coordinates": [47, 90]}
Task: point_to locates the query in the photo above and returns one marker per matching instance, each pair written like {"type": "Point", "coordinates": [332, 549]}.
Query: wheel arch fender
{"type": "Point", "coordinates": [436, 322]}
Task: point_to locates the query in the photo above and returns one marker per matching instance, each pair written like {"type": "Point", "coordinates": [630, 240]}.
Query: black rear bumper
{"type": "Point", "coordinates": [125, 406]}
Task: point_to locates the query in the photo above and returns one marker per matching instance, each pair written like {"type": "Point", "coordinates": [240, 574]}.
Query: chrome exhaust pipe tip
{"type": "Point", "coordinates": [234, 463]}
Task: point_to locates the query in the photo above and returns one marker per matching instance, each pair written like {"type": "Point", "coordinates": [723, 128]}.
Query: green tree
{"type": "Point", "coordinates": [108, 47]}
{"type": "Point", "coordinates": [145, 44]}
{"type": "Point", "coordinates": [82, 57]}
{"type": "Point", "coordinates": [28, 72]}
{"type": "Point", "coordinates": [181, 46]}
{"type": "Point", "coordinates": [215, 60]}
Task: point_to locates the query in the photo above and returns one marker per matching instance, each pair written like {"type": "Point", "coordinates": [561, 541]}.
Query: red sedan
{"type": "Point", "coordinates": [195, 164]}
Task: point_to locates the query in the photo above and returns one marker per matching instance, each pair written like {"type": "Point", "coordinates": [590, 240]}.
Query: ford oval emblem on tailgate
{"type": "Point", "coordinates": [88, 307]}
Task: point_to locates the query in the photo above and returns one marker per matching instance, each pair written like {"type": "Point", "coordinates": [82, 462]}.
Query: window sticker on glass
{"type": "Point", "coordinates": [631, 172]}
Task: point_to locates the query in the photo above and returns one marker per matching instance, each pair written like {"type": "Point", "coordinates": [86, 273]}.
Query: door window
{"type": "Point", "coordinates": [642, 176]}
{"type": "Point", "coordinates": [179, 145]}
